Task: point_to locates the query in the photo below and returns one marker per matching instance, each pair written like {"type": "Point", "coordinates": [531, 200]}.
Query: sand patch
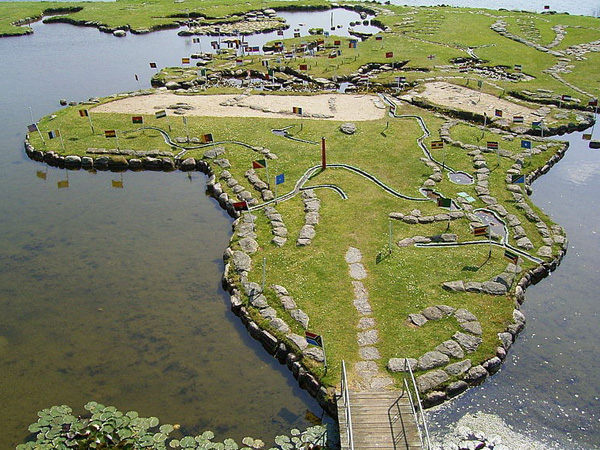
{"type": "Point", "coordinates": [342, 107]}
{"type": "Point", "coordinates": [465, 99]}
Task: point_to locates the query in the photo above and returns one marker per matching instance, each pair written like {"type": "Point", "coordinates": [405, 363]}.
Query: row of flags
{"type": "Point", "coordinates": [491, 145]}
{"type": "Point", "coordinates": [485, 230]}
{"type": "Point", "coordinates": [259, 164]}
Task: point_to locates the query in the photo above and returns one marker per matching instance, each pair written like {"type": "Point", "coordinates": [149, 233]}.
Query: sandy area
{"type": "Point", "coordinates": [342, 107]}
{"type": "Point", "coordinates": [465, 99]}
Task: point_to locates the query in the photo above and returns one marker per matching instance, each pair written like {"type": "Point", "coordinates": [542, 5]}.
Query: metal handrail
{"type": "Point", "coordinates": [346, 400]}
{"type": "Point", "coordinates": [417, 408]}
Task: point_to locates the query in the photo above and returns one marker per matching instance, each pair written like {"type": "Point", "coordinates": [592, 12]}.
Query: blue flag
{"type": "Point", "coordinates": [525, 144]}
{"type": "Point", "coordinates": [279, 179]}
{"type": "Point", "coordinates": [518, 179]}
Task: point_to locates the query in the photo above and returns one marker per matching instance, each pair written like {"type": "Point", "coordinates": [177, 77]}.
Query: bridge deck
{"type": "Point", "coordinates": [375, 426]}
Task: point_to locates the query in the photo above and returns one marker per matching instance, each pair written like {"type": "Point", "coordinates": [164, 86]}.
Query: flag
{"type": "Point", "coordinates": [239, 62]}
{"type": "Point", "coordinates": [271, 73]}
{"type": "Point", "coordinates": [585, 136]}
{"type": "Point", "coordinates": [53, 134]}
{"type": "Point", "coordinates": [337, 42]}
{"type": "Point", "coordinates": [206, 138]}
{"type": "Point", "coordinates": [185, 60]}
{"type": "Point", "coordinates": [518, 119]}
{"type": "Point", "coordinates": [518, 179]}
{"type": "Point", "coordinates": [279, 32]}
{"type": "Point", "coordinates": [546, 6]}
{"type": "Point", "coordinates": [593, 102]}
{"type": "Point", "coordinates": [512, 257]}
{"type": "Point", "coordinates": [153, 65]}
{"type": "Point", "coordinates": [352, 44]}
{"type": "Point", "coordinates": [379, 38]}
{"type": "Point", "coordinates": [536, 125]}
{"type": "Point", "coordinates": [63, 184]}
{"type": "Point", "coordinates": [498, 113]}
{"type": "Point", "coordinates": [259, 164]}
{"type": "Point", "coordinates": [110, 133]}
{"type": "Point", "coordinates": [480, 231]}
{"type": "Point", "coordinates": [117, 184]}
{"type": "Point", "coordinates": [240, 206]}
{"type": "Point", "coordinates": [566, 98]}
{"type": "Point", "coordinates": [518, 67]}
{"type": "Point", "coordinates": [401, 79]}
{"type": "Point", "coordinates": [196, 40]}
{"type": "Point", "coordinates": [31, 128]}
{"type": "Point", "coordinates": [389, 54]}
{"type": "Point", "coordinates": [297, 110]}
{"type": "Point", "coordinates": [479, 84]}
{"type": "Point", "coordinates": [265, 62]}
{"type": "Point", "coordinates": [41, 174]}
{"type": "Point", "coordinates": [160, 114]}
{"type": "Point", "coordinates": [437, 144]}
{"type": "Point", "coordinates": [430, 56]}
{"type": "Point", "coordinates": [279, 179]}
{"type": "Point", "coordinates": [313, 339]}
{"type": "Point", "coordinates": [137, 119]}
{"type": "Point", "coordinates": [525, 144]}
{"type": "Point", "coordinates": [136, 77]}
{"type": "Point", "coordinates": [256, 49]}
{"type": "Point", "coordinates": [444, 202]}
{"type": "Point", "coordinates": [296, 35]}
{"type": "Point", "coordinates": [214, 44]}
{"type": "Point", "coordinates": [202, 72]}
{"type": "Point", "coordinates": [303, 66]}
{"type": "Point", "coordinates": [463, 69]}
{"type": "Point", "coordinates": [84, 112]}
{"type": "Point", "coordinates": [492, 145]}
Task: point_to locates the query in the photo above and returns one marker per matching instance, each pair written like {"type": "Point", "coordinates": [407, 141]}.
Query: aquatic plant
{"type": "Point", "coordinates": [106, 428]}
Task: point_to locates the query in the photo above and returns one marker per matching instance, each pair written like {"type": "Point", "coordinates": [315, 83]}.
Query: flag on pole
{"type": "Point", "coordinates": [518, 179]}
{"type": "Point", "coordinates": [259, 164]}
{"type": "Point", "coordinates": [185, 60]}
{"type": "Point", "coordinates": [492, 145]}
{"type": "Point", "coordinates": [480, 231]}
{"type": "Point", "coordinates": [196, 40]}
{"type": "Point", "coordinates": [518, 119]}
{"type": "Point", "coordinates": [546, 6]}
{"type": "Point", "coordinates": [84, 113]}
{"type": "Point", "coordinates": [389, 54]}
{"type": "Point", "coordinates": [160, 114]}
{"type": "Point", "coordinates": [239, 62]}
{"type": "Point", "coordinates": [31, 128]}
{"type": "Point", "coordinates": [279, 32]}
{"type": "Point", "coordinates": [536, 125]}
{"type": "Point", "coordinates": [525, 144]}
{"type": "Point", "coordinates": [498, 113]}
{"type": "Point", "coordinates": [240, 206]}
{"type": "Point", "coordinates": [303, 66]}
{"type": "Point", "coordinates": [110, 133]}
{"type": "Point", "coordinates": [137, 119]}
{"type": "Point", "coordinates": [313, 339]}
{"type": "Point", "coordinates": [62, 184]}
{"type": "Point", "coordinates": [206, 138]}
{"type": "Point", "coordinates": [337, 42]}
{"type": "Point", "coordinates": [479, 84]}
{"type": "Point", "coordinates": [136, 77]}
{"type": "Point", "coordinates": [444, 202]}
{"type": "Point", "coordinates": [585, 136]}
{"type": "Point", "coordinates": [296, 35]}
{"type": "Point", "coordinates": [437, 144]}
{"type": "Point", "coordinates": [566, 98]}
{"type": "Point", "coordinates": [352, 44]}
{"type": "Point", "coordinates": [512, 257]}
{"type": "Point", "coordinates": [53, 134]}
{"type": "Point", "coordinates": [297, 110]}
{"type": "Point", "coordinates": [518, 67]}
{"type": "Point", "coordinates": [593, 102]}
{"type": "Point", "coordinates": [279, 179]}
{"type": "Point", "coordinates": [118, 184]}
{"type": "Point", "coordinates": [153, 65]}
{"type": "Point", "coordinates": [379, 38]}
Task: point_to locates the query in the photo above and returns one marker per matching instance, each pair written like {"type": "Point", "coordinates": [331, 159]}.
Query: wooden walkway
{"type": "Point", "coordinates": [378, 422]}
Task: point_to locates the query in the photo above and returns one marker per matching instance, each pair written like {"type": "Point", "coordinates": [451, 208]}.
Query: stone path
{"type": "Point", "coordinates": [369, 375]}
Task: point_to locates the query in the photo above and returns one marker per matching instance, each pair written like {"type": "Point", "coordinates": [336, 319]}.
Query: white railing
{"type": "Point", "coordinates": [348, 415]}
{"type": "Point", "coordinates": [411, 388]}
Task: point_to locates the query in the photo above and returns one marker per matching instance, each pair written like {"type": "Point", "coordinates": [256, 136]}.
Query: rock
{"type": "Point", "coordinates": [248, 245]}
{"type": "Point", "coordinates": [72, 161]}
{"type": "Point", "coordinates": [524, 243]}
{"type": "Point", "coordinates": [405, 242]}
{"type": "Point", "coordinates": [241, 261]}
{"type": "Point", "coordinates": [258, 301]}
{"type": "Point", "coordinates": [353, 255]}
{"type": "Point", "coordinates": [473, 286]}
{"type": "Point", "coordinates": [214, 152]}
{"type": "Point", "coordinates": [493, 288]}
{"type": "Point", "coordinates": [434, 398]}
{"type": "Point", "coordinates": [458, 368]}
{"type": "Point", "coordinates": [279, 241]}
{"type": "Point", "coordinates": [432, 313]}
{"type": "Point", "coordinates": [188, 164]}
{"type": "Point", "coordinates": [432, 359]}
{"type": "Point", "coordinates": [492, 365]}
{"type": "Point", "coordinates": [299, 341]}
{"type": "Point", "coordinates": [476, 374]}
{"type": "Point", "coordinates": [454, 286]}
{"type": "Point", "coordinates": [456, 388]}
{"type": "Point", "coordinates": [287, 302]}
{"type": "Point", "coordinates": [468, 342]}
{"type": "Point", "coordinates": [369, 353]}
{"type": "Point", "coordinates": [279, 325]}
{"type": "Point", "coordinates": [369, 337]}
{"type": "Point", "coordinates": [451, 348]}
{"type": "Point", "coordinates": [307, 232]}
{"type": "Point", "coordinates": [119, 33]}
{"type": "Point", "coordinates": [314, 353]}
{"type": "Point", "coordinates": [431, 380]}
{"type": "Point", "coordinates": [301, 317]}
{"type": "Point", "coordinates": [506, 339]}
{"type": "Point", "coordinates": [357, 271]}
{"type": "Point", "coordinates": [446, 310]}
{"type": "Point", "coordinates": [348, 128]}
{"type": "Point", "coordinates": [462, 315]}
{"type": "Point", "coordinates": [268, 313]}
{"type": "Point", "coordinates": [418, 319]}
{"type": "Point", "coordinates": [366, 322]}
{"type": "Point", "coordinates": [472, 327]}
{"type": "Point", "coordinates": [399, 364]}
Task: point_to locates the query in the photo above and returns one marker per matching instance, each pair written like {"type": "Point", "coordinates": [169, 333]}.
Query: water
{"type": "Point", "coordinates": [98, 278]}
{"type": "Point", "coordinates": [114, 294]}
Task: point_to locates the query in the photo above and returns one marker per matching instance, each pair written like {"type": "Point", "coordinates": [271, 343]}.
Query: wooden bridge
{"type": "Point", "coordinates": [381, 420]}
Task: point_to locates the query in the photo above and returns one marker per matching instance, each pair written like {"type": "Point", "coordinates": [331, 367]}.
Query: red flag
{"type": "Point", "coordinates": [389, 55]}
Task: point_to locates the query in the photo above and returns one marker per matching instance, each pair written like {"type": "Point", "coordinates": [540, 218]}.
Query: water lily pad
{"type": "Point", "coordinates": [146, 441]}
{"type": "Point", "coordinates": [89, 406]}
{"type": "Point", "coordinates": [153, 421]}
{"type": "Point", "coordinates": [35, 427]}
{"type": "Point", "coordinates": [100, 407]}
{"type": "Point", "coordinates": [132, 414]}
{"type": "Point", "coordinates": [159, 437]}
{"type": "Point", "coordinates": [174, 443]}
{"type": "Point", "coordinates": [258, 444]}
{"type": "Point", "coordinates": [230, 444]}
{"type": "Point", "coordinates": [187, 442]}
{"type": "Point", "coordinates": [124, 433]}
{"type": "Point", "coordinates": [280, 440]}
{"type": "Point", "coordinates": [219, 446]}
{"type": "Point", "coordinates": [248, 441]}
{"type": "Point", "coordinates": [208, 435]}
{"type": "Point", "coordinates": [294, 431]}
{"type": "Point", "coordinates": [166, 428]}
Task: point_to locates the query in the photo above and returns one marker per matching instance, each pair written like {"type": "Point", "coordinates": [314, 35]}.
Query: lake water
{"type": "Point", "coordinates": [114, 294]}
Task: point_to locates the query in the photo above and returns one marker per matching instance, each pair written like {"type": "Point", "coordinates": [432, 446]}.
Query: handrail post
{"type": "Point", "coordinates": [347, 413]}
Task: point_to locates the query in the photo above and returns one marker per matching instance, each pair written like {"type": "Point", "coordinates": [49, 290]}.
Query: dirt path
{"type": "Point", "coordinates": [340, 107]}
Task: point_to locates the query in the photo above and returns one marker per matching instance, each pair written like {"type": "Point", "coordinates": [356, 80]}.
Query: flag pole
{"type": "Point", "coordinates": [390, 236]}
{"type": "Point", "coordinates": [267, 169]}
{"type": "Point", "coordinates": [264, 272]}
{"type": "Point", "coordinates": [62, 142]}
{"type": "Point", "coordinates": [187, 130]}
{"type": "Point", "coordinates": [484, 124]}
{"type": "Point", "coordinates": [275, 190]}
{"type": "Point", "coordinates": [490, 240]}
{"type": "Point", "coordinates": [91, 124]}
{"type": "Point", "coordinates": [117, 136]}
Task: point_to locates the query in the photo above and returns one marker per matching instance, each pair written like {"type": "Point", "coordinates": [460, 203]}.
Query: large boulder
{"type": "Point", "coordinates": [348, 128]}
